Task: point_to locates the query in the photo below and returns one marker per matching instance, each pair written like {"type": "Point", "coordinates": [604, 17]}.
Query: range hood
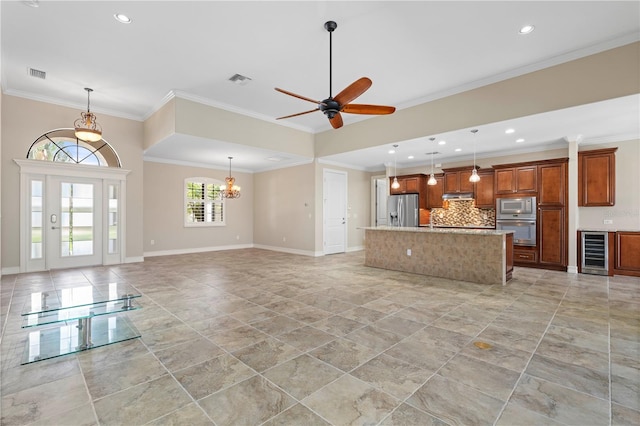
{"type": "Point", "coordinates": [458, 196]}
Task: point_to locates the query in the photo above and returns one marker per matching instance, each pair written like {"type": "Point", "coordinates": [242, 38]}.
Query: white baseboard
{"type": "Point", "coordinates": [572, 269]}
{"type": "Point", "coordinates": [135, 259]}
{"type": "Point", "coordinates": [356, 248]}
{"type": "Point", "coordinates": [196, 250]}
{"type": "Point", "coordinates": [289, 250]}
{"type": "Point", "coordinates": [10, 270]}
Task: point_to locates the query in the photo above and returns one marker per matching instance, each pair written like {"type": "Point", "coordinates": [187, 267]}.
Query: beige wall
{"type": "Point", "coordinates": [164, 212]}
{"type": "Point", "coordinates": [285, 209]}
{"type": "Point", "coordinates": [626, 212]}
{"type": "Point", "coordinates": [607, 75]}
{"type": "Point", "coordinates": [23, 121]}
{"type": "Point", "coordinates": [192, 118]}
{"type": "Point", "coordinates": [161, 124]}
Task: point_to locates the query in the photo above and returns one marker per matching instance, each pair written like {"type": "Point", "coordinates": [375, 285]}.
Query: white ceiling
{"type": "Point", "coordinates": [413, 51]}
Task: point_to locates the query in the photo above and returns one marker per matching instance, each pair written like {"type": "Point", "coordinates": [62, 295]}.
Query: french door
{"type": "Point", "coordinates": [70, 215]}
{"type": "Point", "coordinates": [73, 222]}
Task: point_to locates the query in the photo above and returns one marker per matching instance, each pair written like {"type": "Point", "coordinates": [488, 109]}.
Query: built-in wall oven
{"type": "Point", "coordinates": [518, 215]}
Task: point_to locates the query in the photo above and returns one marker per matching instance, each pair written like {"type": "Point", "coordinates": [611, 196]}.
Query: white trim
{"type": "Point", "coordinates": [290, 250]}
{"type": "Point", "coordinates": [355, 248]}
{"type": "Point", "coordinates": [44, 169]}
{"type": "Point", "coordinates": [572, 269]}
{"type": "Point", "coordinates": [134, 259]}
{"type": "Point", "coordinates": [346, 166]}
{"type": "Point", "coordinates": [195, 250]}
{"type": "Point", "coordinates": [11, 270]}
{"type": "Point", "coordinates": [71, 170]}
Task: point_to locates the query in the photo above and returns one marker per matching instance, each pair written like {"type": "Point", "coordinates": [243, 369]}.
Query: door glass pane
{"type": "Point", "coordinates": [76, 236]}
{"type": "Point", "coordinates": [36, 219]}
{"type": "Point", "coordinates": [113, 219]}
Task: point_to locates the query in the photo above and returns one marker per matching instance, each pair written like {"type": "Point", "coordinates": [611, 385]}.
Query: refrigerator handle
{"type": "Point", "coordinates": [400, 212]}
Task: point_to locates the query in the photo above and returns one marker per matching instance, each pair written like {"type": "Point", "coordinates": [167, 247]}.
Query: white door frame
{"type": "Point", "coordinates": [325, 195]}
{"type": "Point", "coordinates": [375, 201]}
{"type": "Point", "coordinates": [30, 169]}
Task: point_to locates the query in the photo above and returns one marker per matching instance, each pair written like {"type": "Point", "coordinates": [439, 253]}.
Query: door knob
{"type": "Point", "coordinates": [55, 227]}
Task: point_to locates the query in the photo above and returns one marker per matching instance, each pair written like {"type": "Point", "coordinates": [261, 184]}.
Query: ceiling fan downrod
{"type": "Point", "coordinates": [330, 26]}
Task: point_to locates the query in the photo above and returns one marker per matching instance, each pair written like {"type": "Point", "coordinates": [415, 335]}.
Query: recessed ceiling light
{"type": "Point", "coordinates": [509, 131]}
{"type": "Point", "coordinates": [392, 151]}
{"type": "Point", "coordinates": [410, 157]}
{"type": "Point", "coordinates": [519, 140]}
{"type": "Point", "coordinates": [122, 18]}
{"type": "Point", "coordinates": [526, 29]}
{"type": "Point", "coordinates": [458, 149]}
{"type": "Point", "coordinates": [442, 143]}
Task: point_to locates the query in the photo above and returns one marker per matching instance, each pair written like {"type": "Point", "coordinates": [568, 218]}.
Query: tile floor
{"type": "Point", "coordinates": [251, 337]}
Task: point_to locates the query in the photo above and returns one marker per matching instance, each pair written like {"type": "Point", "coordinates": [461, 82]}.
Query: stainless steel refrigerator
{"type": "Point", "coordinates": [403, 210]}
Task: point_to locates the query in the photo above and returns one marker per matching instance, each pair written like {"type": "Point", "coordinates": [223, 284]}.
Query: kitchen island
{"type": "Point", "coordinates": [482, 256]}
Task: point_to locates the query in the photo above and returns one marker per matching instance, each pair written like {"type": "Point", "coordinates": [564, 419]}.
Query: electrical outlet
{"type": "Point", "coordinates": [608, 221]}
{"type": "Point", "coordinates": [408, 252]}
{"type": "Point", "coordinates": [153, 242]}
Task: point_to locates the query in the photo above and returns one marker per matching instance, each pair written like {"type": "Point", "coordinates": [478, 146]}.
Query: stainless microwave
{"type": "Point", "coordinates": [516, 208]}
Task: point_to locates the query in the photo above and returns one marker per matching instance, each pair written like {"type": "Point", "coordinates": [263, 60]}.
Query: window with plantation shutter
{"type": "Point", "coordinates": [203, 202]}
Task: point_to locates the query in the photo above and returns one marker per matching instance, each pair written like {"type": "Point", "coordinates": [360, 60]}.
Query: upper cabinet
{"type": "Point", "coordinates": [516, 179]}
{"type": "Point", "coordinates": [552, 180]}
{"type": "Point", "coordinates": [409, 184]}
{"type": "Point", "coordinates": [597, 177]}
{"type": "Point", "coordinates": [484, 191]}
{"type": "Point", "coordinates": [457, 180]}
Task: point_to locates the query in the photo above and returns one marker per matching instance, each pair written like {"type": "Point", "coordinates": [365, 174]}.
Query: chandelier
{"type": "Point", "coordinates": [231, 190]}
{"type": "Point", "coordinates": [87, 128]}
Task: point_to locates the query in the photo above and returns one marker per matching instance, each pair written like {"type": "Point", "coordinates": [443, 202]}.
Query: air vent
{"type": "Point", "coordinates": [434, 153]}
{"type": "Point", "coordinates": [240, 80]}
{"type": "Point", "coordinates": [37, 73]}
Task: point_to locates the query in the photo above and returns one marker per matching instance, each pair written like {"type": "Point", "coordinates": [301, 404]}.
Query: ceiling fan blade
{"type": "Point", "coordinates": [368, 109]}
{"type": "Point", "coordinates": [300, 113]}
{"type": "Point", "coordinates": [336, 121]}
{"type": "Point", "coordinates": [353, 90]}
{"type": "Point", "coordinates": [299, 96]}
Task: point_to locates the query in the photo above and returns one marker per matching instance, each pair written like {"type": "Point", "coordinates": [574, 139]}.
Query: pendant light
{"type": "Point", "coordinates": [232, 190]}
{"type": "Point", "coordinates": [395, 184]}
{"type": "Point", "coordinates": [87, 128]}
{"type": "Point", "coordinates": [432, 178]}
{"type": "Point", "coordinates": [474, 173]}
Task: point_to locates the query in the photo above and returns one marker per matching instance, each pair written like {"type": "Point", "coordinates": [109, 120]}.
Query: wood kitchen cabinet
{"type": "Point", "coordinates": [547, 180]}
{"type": "Point", "coordinates": [484, 189]}
{"type": "Point", "coordinates": [514, 179]}
{"type": "Point", "coordinates": [552, 244]}
{"type": "Point", "coordinates": [409, 184]}
{"type": "Point", "coordinates": [597, 177]}
{"type": "Point", "coordinates": [627, 247]}
{"type": "Point", "coordinates": [457, 180]}
{"type": "Point", "coordinates": [435, 192]}
{"type": "Point", "coordinates": [552, 178]}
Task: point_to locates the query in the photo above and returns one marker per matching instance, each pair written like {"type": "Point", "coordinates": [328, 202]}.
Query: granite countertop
{"type": "Point", "coordinates": [470, 231]}
{"type": "Point", "coordinates": [460, 227]}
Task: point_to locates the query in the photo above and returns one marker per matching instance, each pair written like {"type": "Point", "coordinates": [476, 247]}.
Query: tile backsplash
{"type": "Point", "coordinates": [463, 213]}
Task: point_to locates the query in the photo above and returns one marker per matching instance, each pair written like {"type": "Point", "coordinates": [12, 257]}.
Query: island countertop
{"type": "Point", "coordinates": [447, 230]}
{"type": "Point", "coordinates": [477, 255]}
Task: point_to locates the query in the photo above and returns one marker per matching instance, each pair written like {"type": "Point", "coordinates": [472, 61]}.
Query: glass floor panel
{"type": "Point", "coordinates": [70, 314]}
{"type": "Point", "coordinates": [65, 339]}
{"type": "Point", "coordinates": [75, 297]}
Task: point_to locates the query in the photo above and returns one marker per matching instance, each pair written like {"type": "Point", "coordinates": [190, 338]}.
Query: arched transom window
{"type": "Point", "coordinates": [61, 145]}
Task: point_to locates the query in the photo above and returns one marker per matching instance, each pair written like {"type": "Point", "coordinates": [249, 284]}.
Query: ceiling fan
{"type": "Point", "coordinates": [332, 107]}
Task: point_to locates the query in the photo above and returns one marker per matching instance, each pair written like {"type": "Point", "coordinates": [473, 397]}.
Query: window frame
{"type": "Point", "coordinates": [209, 203]}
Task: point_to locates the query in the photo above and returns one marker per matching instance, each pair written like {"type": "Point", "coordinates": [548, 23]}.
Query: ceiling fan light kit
{"type": "Point", "coordinates": [333, 106]}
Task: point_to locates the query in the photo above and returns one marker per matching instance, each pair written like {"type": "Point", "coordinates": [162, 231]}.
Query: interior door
{"type": "Point", "coordinates": [73, 222]}
{"type": "Point", "coordinates": [335, 211]}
